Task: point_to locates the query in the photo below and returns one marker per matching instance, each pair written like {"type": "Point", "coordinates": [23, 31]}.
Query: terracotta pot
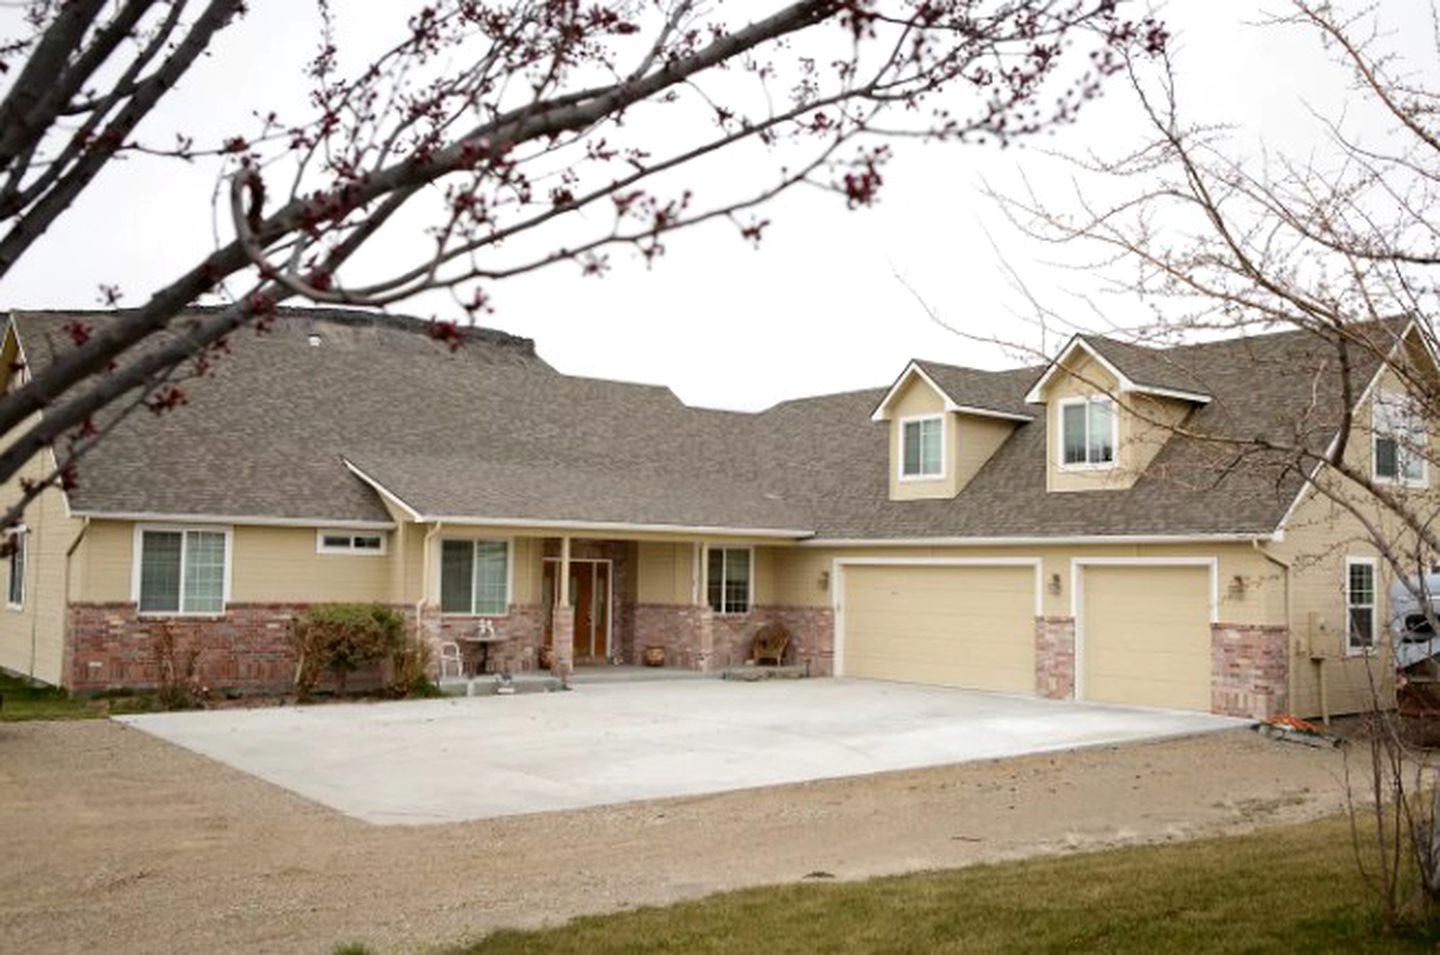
{"type": "Point", "coordinates": [655, 655]}
{"type": "Point", "coordinates": [547, 658]}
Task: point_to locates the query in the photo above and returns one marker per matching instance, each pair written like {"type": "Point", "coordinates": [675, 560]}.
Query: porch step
{"type": "Point", "coordinates": [753, 674]}
{"type": "Point", "coordinates": [491, 685]}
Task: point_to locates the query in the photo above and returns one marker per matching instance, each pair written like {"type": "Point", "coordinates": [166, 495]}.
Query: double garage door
{"type": "Point", "coordinates": [1143, 633]}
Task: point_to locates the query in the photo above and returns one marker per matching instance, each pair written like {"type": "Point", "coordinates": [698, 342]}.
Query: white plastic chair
{"type": "Point", "coordinates": [450, 653]}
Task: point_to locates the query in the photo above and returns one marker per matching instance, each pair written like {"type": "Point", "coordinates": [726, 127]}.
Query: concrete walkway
{"type": "Point", "coordinates": [434, 761]}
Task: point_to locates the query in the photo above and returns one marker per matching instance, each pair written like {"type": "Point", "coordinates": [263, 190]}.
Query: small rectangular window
{"type": "Point", "coordinates": [1087, 432]}
{"type": "Point", "coordinates": [1360, 605]}
{"type": "Point", "coordinates": [346, 542]}
{"type": "Point", "coordinates": [15, 595]}
{"type": "Point", "coordinates": [183, 571]}
{"type": "Point", "coordinates": [1400, 441]}
{"type": "Point", "coordinates": [728, 579]}
{"type": "Point", "coordinates": [922, 448]}
{"type": "Point", "coordinates": [475, 577]}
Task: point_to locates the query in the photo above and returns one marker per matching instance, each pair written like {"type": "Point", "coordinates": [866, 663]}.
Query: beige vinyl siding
{"type": "Point", "coordinates": [1144, 636]}
{"type": "Point", "coordinates": [281, 565]}
{"type": "Point", "coordinates": [917, 398]}
{"type": "Point", "coordinates": [664, 573]}
{"type": "Point", "coordinates": [970, 627]}
{"type": "Point", "coordinates": [1145, 424]}
{"type": "Point", "coordinates": [976, 439]}
{"type": "Point", "coordinates": [32, 639]}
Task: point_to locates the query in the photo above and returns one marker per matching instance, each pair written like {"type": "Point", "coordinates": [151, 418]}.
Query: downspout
{"type": "Point", "coordinates": [65, 648]}
{"type": "Point", "coordinates": [425, 549]}
{"type": "Point", "coordinates": [1285, 568]}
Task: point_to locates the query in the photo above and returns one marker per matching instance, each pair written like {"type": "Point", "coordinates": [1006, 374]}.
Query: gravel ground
{"type": "Point", "coordinates": [118, 841]}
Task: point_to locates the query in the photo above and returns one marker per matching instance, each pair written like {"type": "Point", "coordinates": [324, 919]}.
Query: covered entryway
{"type": "Point", "coordinates": [1143, 633]}
{"type": "Point", "coordinates": [591, 596]}
{"type": "Point", "coordinates": [955, 624]}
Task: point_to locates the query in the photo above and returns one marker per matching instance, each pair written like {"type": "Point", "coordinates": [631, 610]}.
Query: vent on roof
{"type": "Point", "coordinates": [315, 340]}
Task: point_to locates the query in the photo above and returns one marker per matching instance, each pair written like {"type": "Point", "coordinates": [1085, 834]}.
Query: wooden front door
{"type": "Point", "coordinates": [590, 603]}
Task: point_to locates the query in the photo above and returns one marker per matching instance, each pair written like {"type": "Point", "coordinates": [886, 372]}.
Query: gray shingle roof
{"type": "Point", "coordinates": [990, 390]}
{"type": "Point", "coordinates": [491, 431]}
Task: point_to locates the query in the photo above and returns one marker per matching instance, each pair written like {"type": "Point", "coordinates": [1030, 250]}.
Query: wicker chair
{"type": "Point", "coordinates": [769, 644]}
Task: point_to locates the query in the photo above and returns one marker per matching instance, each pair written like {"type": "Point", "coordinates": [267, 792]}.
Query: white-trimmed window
{"type": "Point", "coordinates": [182, 570]}
{"type": "Point", "coordinates": [922, 447]}
{"type": "Point", "coordinates": [475, 577]}
{"type": "Point", "coordinates": [1398, 441]}
{"type": "Point", "coordinates": [349, 542]}
{"type": "Point", "coordinates": [728, 574]}
{"type": "Point", "coordinates": [1089, 431]}
{"type": "Point", "coordinates": [1360, 607]}
{"type": "Point", "coordinates": [15, 593]}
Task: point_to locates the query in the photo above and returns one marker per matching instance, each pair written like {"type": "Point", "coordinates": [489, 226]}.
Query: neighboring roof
{"type": "Point", "coordinates": [1138, 369]}
{"type": "Point", "coordinates": [970, 390]}
{"type": "Point", "coordinates": [491, 433]}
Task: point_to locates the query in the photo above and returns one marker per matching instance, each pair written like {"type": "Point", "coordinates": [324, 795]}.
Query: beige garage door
{"type": "Point", "coordinates": [1146, 636]}
{"type": "Point", "coordinates": [954, 626]}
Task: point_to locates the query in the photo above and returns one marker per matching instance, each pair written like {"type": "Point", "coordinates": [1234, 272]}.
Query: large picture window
{"type": "Point", "coordinates": [183, 571]}
{"type": "Point", "coordinates": [1359, 604]}
{"type": "Point", "coordinates": [475, 577]}
{"type": "Point", "coordinates": [728, 579]}
{"type": "Point", "coordinates": [923, 447]}
{"type": "Point", "coordinates": [1087, 429]}
{"type": "Point", "coordinates": [15, 593]}
{"type": "Point", "coordinates": [1399, 441]}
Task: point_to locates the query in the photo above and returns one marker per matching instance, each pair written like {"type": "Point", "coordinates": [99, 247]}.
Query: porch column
{"type": "Point", "coordinates": [563, 659]}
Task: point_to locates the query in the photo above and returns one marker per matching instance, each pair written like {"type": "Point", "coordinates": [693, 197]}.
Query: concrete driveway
{"type": "Point", "coordinates": [435, 761]}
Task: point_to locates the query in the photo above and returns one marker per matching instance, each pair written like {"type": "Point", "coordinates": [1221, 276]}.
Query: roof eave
{"type": "Point", "coordinates": [882, 410]}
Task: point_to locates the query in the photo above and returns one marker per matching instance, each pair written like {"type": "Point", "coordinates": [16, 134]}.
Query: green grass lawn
{"type": "Point", "coordinates": [1291, 889]}
{"type": "Point", "coordinates": [23, 701]}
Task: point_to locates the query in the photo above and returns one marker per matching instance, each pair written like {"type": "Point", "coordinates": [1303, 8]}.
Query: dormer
{"type": "Point", "coordinates": [945, 423]}
{"type": "Point", "coordinates": [1109, 409]}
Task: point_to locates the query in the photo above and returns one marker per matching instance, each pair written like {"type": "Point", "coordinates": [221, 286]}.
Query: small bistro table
{"type": "Point", "coordinates": [482, 639]}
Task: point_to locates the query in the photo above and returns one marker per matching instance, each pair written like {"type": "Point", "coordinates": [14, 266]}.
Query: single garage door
{"type": "Point", "coordinates": [954, 626]}
{"type": "Point", "coordinates": [1146, 636]}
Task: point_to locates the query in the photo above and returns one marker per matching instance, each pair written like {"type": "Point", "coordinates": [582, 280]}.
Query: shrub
{"type": "Point", "coordinates": [410, 671]}
{"type": "Point", "coordinates": [177, 662]}
{"type": "Point", "coordinates": [342, 638]}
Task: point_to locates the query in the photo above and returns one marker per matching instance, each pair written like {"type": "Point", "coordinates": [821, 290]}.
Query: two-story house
{"type": "Point", "coordinates": [1106, 527]}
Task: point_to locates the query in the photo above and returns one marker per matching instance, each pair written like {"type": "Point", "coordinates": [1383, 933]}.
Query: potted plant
{"type": "Point", "coordinates": [654, 655]}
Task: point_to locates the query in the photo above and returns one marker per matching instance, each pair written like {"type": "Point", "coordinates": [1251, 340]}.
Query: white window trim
{"type": "Point", "coordinates": [944, 457]}
{"type": "Point", "coordinates": [1401, 450]}
{"type": "Point", "coordinates": [705, 583]}
{"type": "Point", "coordinates": [439, 556]}
{"type": "Point", "coordinates": [322, 548]}
{"type": "Point", "coordinates": [1088, 400]}
{"type": "Point", "coordinates": [1350, 649]}
{"type": "Point", "coordinates": [22, 534]}
{"type": "Point", "coordinates": [136, 555]}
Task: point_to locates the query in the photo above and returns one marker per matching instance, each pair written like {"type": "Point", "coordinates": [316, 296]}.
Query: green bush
{"type": "Point", "coordinates": [342, 638]}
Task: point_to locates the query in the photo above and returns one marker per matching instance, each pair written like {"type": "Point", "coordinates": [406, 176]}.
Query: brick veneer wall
{"type": "Point", "coordinates": [522, 628]}
{"type": "Point", "coordinates": [697, 638]}
{"type": "Point", "coordinates": [1055, 657]}
{"type": "Point", "coordinates": [1249, 670]}
{"type": "Point", "coordinates": [247, 648]}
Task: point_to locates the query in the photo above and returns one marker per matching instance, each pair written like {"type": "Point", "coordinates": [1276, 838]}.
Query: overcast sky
{"type": "Point", "coordinates": [816, 308]}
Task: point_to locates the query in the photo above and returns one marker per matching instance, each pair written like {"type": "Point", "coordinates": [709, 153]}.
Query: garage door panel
{"type": "Point", "coordinates": [1146, 635]}
{"type": "Point", "coordinates": [954, 626]}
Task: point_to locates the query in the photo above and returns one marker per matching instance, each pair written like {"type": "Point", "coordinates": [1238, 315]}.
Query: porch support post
{"type": "Point", "coordinates": [563, 658]}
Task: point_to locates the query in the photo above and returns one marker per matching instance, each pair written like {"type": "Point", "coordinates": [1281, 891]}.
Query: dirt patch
{"type": "Point", "coordinates": [113, 835]}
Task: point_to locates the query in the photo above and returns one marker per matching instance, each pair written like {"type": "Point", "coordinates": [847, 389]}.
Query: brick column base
{"type": "Point", "coordinates": [1250, 670]}
{"type": "Point", "coordinates": [1055, 657]}
{"type": "Point", "coordinates": [563, 661]}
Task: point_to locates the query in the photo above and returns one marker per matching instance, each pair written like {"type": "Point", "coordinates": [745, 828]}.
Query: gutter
{"type": "Point", "coordinates": [1245, 538]}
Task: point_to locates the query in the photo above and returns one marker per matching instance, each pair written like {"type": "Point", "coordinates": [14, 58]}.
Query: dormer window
{"type": "Point", "coordinates": [922, 452]}
{"type": "Point", "coordinates": [1088, 433]}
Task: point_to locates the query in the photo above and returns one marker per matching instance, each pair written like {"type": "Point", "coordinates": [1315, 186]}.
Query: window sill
{"type": "Point", "coordinates": [180, 615]}
{"type": "Point", "coordinates": [15, 608]}
{"type": "Point", "coordinates": [451, 615]}
{"type": "Point", "coordinates": [1420, 485]}
{"type": "Point", "coordinates": [907, 478]}
{"type": "Point", "coordinates": [1357, 652]}
{"type": "Point", "coordinates": [1086, 468]}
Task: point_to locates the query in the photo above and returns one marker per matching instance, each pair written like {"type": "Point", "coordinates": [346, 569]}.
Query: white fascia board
{"type": "Point", "coordinates": [882, 410]}
{"type": "Point", "coordinates": [382, 490]}
{"type": "Point", "coordinates": [1127, 385]}
{"type": "Point", "coordinates": [257, 520]}
{"type": "Point", "coordinates": [1123, 539]}
{"type": "Point", "coordinates": [619, 526]}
